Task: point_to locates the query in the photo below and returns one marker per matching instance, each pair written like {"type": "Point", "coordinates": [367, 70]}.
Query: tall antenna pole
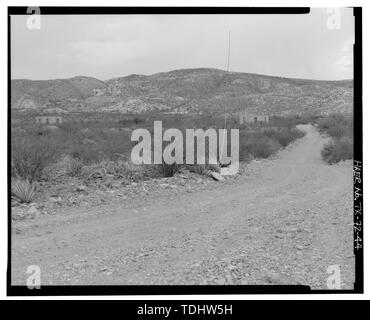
{"type": "Point", "coordinates": [228, 52]}
{"type": "Point", "coordinates": [227, 73]}
{"type": "Point", "coordinates": [225, 104]}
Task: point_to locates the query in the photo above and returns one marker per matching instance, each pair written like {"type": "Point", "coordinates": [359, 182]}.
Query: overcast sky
{"type": "Point", "coordinates": [299, 46]}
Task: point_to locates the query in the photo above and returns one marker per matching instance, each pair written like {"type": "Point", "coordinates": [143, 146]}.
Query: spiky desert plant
{"type": "Point", "coordinates": [74, 167]}
{"type": "Point", "coordinates": [200, 169]}
{"type": "Point", "coordinates": [23, 190]}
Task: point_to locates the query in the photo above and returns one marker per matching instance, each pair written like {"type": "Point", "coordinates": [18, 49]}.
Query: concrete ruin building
{"type": "Point", "coordinates": [49, 119]}
{"type": "Point", "coordinates": [247, 118]}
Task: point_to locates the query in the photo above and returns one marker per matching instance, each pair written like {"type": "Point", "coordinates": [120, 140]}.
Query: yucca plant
{"type": "Point", "coordinates": [200, 169]}
{"type": "Point", "coordinates": [74, 167]}
{"type": "Point", "coordinates": [23, 190]}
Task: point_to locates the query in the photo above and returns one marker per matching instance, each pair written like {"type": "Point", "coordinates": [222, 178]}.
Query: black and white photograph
{"type": "Point", "coordinates": [184, 150]}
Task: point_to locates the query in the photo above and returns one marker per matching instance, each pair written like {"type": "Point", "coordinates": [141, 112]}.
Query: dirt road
{"type": "Point", "coordinates": [284, 224]}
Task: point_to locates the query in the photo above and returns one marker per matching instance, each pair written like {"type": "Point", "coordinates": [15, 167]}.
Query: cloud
{"type": "Point", "coordinates": [298, 46]}
{"type": "Point", "coordinates": [344, 63]}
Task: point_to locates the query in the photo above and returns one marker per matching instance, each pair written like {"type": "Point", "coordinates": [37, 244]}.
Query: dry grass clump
{"type": "Point", "coordinates": [116, 169]}
{"type": "Point", "coordinates": [340, 129]}
{"type": "Point", "coordinates": [30, 157]}
{"type": "Point", "coordinates": [338, 150]}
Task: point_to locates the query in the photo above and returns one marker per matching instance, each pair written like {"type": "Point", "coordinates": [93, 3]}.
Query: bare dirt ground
{"type": "Point", "coordinates": [284, 223]}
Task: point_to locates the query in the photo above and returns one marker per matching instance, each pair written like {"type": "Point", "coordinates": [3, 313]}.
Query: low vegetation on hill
{"type": "Point", "coordinates": [202, 90]}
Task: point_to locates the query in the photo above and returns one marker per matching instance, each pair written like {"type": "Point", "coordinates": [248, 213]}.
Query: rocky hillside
{"type": "Point", "coordinates": [49, 95]}
{"type": "Point", "coordinates": [185, 91]}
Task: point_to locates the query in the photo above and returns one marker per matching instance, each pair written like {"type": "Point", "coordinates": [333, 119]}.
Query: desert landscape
{"type": "Point", "coordinates": [86, 215]}
{"type": "Point", "coordinates": [208, 148]}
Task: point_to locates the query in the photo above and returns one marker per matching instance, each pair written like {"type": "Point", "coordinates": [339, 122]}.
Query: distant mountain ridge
{"type": "Point", "coordinates": [201, 90]}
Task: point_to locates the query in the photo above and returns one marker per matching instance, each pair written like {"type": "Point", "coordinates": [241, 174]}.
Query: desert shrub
{"type": "Point", "coordinates": [286, 136]}
{"type": "Point", "coordinates": [264, 147]}
{"type": "Point", "coordinates": [336, 125]}
{"type": "Point", "coordinates": [85, 153]}
{"type": "Point", "coordinates": [38, 130]}
{"type": "Point", "coordinates": [30, 156]}
{"type": "Point", "coordinates": [71, 128]}
{"type": "Point", "coordinates": [52, 171]}
{"type": "Point", "coordinates": [214, 167]}
{"type": "Point", "coordinates": [257, 146]}
{"type": "Point", "coordinates": [263, 142]}
{"type": "Point", "coordinates": [23, 190]}
{"type": "Point", "coordinates": [138, 120]}
{"type": "Point", "coordinates": [102, 145]}
{"type": "Point", "coordinates": [338, 150]}
{"type": "Point", "coordinates": [116, 169]}
{"type": "Point", "coordinates": [204, 169]}
{"type": "Point", "coordinates": [131, 121]}
{"type": "Point", "coordinates": [340, 129]}
{"type": "Point", "coordinates": [168, 170]}
{"type": "Point", "coordinates": [74, 167]}
{"type": "Point", "coordinates": [336, 131]}
{"type": "Point", "coordinates": [326, 123]}
{"type": "Point", "coordinates": [306, 119]}
{"type": "Point", "coordinates": [200, 169]}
